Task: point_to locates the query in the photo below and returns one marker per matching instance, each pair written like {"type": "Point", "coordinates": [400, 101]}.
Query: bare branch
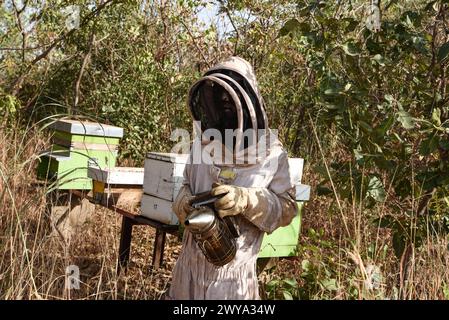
{"type": "Point", "coordinates": [237, 34]}
{"type": "Point", "coordinates": [83, 66]}
{"type": "Point", "coordinates": [196, 44]}
{"type": "Point", "coordinates": [20, 25]}
{"type": "Point", "coordinates": [18, 82]}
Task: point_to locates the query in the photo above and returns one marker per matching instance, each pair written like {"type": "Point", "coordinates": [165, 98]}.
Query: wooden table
{"type": "Point", "coordinates": [129, 220]}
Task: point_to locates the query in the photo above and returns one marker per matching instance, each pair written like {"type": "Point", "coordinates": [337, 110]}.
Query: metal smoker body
{"type": "Point", "coordinates": [213, 235]}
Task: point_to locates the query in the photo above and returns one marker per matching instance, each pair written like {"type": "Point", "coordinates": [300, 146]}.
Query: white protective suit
{"type": "Point", "coordinates": [271, 204]}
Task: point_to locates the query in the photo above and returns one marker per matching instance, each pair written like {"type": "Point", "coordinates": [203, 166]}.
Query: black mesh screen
{"type": "Point", "coordinates": [249, 91]}
{"type": "Point", "coordinates": [208, 105]}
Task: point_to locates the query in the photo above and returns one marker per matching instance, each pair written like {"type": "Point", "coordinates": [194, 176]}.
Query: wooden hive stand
{"type": "Point", "coordinates": [120, 189]}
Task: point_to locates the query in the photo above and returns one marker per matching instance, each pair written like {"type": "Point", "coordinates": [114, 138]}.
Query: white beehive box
{"type": "Point", "coordinates": [163, 174]}
{"type": "Point", "coordinates": [158, 209]}
{"type": "Point", "coordinates": [163, 177]}
{"type": "Point", "coordinates": [296, 168]}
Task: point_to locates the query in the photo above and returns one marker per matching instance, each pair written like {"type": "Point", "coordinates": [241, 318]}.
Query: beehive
{"type": "Point", "coordinates": [163, 177]}
{"type": "Point", "coordinates": [283, 242]}
{"type": "Point", "coordinates": [76, 145]}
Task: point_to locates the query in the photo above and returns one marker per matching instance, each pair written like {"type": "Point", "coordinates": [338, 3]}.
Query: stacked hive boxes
{"type": "Point", "coordinates": [75, 146]}
{"type": "Point", "coordinates": [163, 177]}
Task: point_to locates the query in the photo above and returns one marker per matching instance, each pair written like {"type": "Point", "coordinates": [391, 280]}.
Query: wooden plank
{"type": "Point", "coordinates": [137, 219]}
{"type": "Point", "coordinates": [128, 220]}
{"type": "Point", "coordinates": [125, 243]}
{"type": "Point", "coordinates": [172, 229]}
{"type": "Point", "coordinates": [158, 250]}
{"type": "Point", "coordinates": [128, 199]}
{"type": "Point", "coordinates": [108, 205]}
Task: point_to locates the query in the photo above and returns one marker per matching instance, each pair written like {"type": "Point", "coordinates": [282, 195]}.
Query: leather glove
{"type": "Point", "coordinates": [181, 205]}
{"type": "Point", "coordinates": [235, 200]}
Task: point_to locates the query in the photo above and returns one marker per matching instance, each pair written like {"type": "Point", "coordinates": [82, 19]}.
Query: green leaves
{"type": "Point", "coordinates": [398, 244]}
{"type": "Point", "coordinates": [288, 288]}
{"type": "Point", "coordinates": [291, 282]}
{"type": "Point", "coordinates": [376, 189]}
{"type": "Point", "coordinates": [289, 27]}
{"type": "Point", "coordinates": [379, 59]}
{"type": "Point", "coordinates": [350, 48]}
{"type": "Point", "coordinates": [443, 52]}
{"type": "Point", "coordinates": [323, 191]}
{"type": "Point", "coordinates": [332, 91]}
{"type": "Point", "coordinates": [383, 128]}
{"type": "Point", "coordinates": [436, 116]}
{"type": "Point", "coordinates": [287, 295]}
{"type": "Point", "coordinates": [329, 284]}
{"type": "Point", "coordinates": [405, 119]}
{"type": "Point", "coordinates": [386, 221]}
{"type": "Point", "coordinates": [430, 144]}
{"type": "Point", "coordinates": [365, 126]}
{"type": "Point", "coordinates": [377, 113]}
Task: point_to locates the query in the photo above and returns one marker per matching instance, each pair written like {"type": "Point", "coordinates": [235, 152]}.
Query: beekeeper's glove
{"type": "Point", "coordinates": [181, 206]}
{"type": "Point", "coordinates": [235, 200]}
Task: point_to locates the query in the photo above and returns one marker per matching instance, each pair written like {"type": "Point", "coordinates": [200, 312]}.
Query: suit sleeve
{"type": "Point", "coordinates": [275, 206]}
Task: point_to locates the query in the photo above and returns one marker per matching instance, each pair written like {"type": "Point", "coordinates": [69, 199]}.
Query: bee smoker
{"type": "Point", "coordinates": [215, 236]}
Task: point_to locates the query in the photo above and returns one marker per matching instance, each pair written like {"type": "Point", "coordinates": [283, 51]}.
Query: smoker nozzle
{"type": "Point", "coordinates": [200, 219]}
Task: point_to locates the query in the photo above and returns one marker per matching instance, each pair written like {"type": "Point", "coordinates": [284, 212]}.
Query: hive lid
{"type": "Point", "coordinates": [117, 175]}
{"type": "Point", "coordinates": [87, 128]}
{"type": "Point", "coordinates": [168, 157]}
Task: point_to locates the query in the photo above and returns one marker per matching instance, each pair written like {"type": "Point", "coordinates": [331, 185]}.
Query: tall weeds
{"type": "Point", "coordinates": [34, 260]}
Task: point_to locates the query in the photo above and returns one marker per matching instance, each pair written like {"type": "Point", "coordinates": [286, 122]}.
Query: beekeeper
{"type": "Point", "coordinates": [260, 193]}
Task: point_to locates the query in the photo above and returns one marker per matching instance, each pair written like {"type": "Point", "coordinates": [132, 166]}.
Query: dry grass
{"type": "Point", "coordinates": [34, 260]}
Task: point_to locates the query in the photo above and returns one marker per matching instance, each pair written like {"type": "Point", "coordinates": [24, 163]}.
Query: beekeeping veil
{"type": "Point", "coordinates": [228, 97]}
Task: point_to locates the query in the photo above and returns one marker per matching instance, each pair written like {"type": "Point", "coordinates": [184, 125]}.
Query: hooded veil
{"type": "Point", "coordinates": [235, 76]}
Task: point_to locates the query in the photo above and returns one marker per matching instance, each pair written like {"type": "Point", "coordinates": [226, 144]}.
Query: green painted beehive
{"type": "Point", "coordinates": [75, 145]}
{"type": "Point", "coordinates": [283, 242]}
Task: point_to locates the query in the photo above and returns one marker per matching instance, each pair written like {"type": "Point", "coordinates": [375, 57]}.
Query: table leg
{"type": "Point", "coordinates": [125, 242]}
{"type": "Point", "coordinates": [158, 250]}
